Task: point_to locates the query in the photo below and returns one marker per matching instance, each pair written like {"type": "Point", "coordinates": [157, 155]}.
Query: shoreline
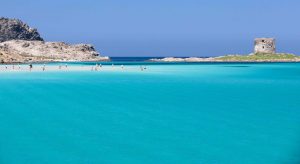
{"type": "Point", "coordinates": [251, 58]}
{"type": "Point", "coordinates": [65, 67]}
{"type": "Point", "coordinates": [102, 59]}
{"type": "Point", "coordinates": [238, 61]}
{"type": "Point", "coordinates": [133, 63]}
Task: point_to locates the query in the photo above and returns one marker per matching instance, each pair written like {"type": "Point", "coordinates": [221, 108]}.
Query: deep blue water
{"type": "Point", "coordinates": [229, 113]}
{"type": "Point", "coordinates": [131, 59]}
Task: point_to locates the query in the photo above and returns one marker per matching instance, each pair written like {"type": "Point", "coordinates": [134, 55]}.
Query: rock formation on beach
{"type": "Point", "coordinates": [21, 43]}
{"type": "Point", "coordinates": [32, 51]}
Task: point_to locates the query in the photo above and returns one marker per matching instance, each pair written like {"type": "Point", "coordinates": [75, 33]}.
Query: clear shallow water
{"type": "Point", "coordinates": [205, 113]}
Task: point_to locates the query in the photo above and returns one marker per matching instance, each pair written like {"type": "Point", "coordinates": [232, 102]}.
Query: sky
{"type": "Point", "coordinates": [163, 27]}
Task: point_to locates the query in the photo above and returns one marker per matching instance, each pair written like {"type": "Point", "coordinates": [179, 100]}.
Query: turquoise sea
{"type": "Point", "coordinates": [225, 113]}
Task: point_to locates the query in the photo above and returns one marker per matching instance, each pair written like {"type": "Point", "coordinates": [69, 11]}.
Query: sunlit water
{"type": "Point", "coordinates": [197, 113]}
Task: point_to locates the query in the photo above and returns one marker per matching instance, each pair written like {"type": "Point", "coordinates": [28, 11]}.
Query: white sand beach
{"type": "Point", "coordinates": [67, 68]}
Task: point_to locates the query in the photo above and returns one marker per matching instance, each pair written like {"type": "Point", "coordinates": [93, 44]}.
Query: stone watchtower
{"type": "Point", "coordinates": [264, 45]}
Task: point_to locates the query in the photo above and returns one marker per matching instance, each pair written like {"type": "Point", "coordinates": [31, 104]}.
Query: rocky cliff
{"type": "Point", "coordinates": [21, 43]}
{"type": "Point", "coordinates": [38, 51]}
{"type": "Point", "coordinates": [14, 29]}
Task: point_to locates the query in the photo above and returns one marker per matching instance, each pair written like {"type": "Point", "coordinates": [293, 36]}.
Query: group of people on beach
{"type": "Point", "coordinates": [143, 68]}
{"type": "Point", "coordinates": [13, 67]}
{"type": "Point", "coordinates": [96, 67]}
{"type": "Point", "coordinates": [31, 67]}
{"type": "Point", "coordinates": [60, 66]}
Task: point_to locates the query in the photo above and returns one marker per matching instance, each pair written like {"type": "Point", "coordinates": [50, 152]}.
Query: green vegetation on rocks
{"type": "Point", "coordinates": [260, 57]}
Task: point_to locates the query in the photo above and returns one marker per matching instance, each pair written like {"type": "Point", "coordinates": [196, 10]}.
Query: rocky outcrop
{"type": "Point", "coordinates": [40, 51]}
{"type": "Point", "coordinates": [21, 43]}
{"type": "Point", "coordinates": [14, 29]}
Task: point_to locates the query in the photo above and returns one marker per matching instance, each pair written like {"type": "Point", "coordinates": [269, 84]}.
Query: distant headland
{"type": "Point", "coordinates": [264, 51]}
{"type": "Point", "coordinates": [20, 43]}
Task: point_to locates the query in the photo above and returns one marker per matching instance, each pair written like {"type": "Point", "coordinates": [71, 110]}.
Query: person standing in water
{"type": "Point", "coordinates": [30, 67]}
{"type": "Point", "coordinates": [44, 67]}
